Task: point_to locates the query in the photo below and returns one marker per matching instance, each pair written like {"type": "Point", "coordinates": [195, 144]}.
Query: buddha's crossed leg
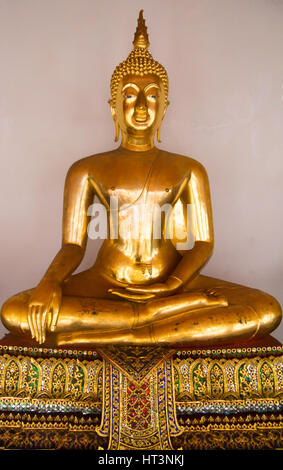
{"type": "Point", "coordinates": [247, 314]}
{"type": "Point", "coordinates": [199, 315]}
{"type": "Point", "coordinates": [81, 314]}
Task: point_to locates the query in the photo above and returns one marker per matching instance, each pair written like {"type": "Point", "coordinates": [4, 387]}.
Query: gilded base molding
{"type": "Point", "coordinates": [231, 440]}
{"type": "Point", "coordinates": [141, 398]}
{"type": "Point", "coordinates": [231, 432]}
{"type": "Point", "coordinates": [46, 431]}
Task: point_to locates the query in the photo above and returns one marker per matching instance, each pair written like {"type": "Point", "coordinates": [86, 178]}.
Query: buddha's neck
{"type": "Point", "coordinates": [137, 144]}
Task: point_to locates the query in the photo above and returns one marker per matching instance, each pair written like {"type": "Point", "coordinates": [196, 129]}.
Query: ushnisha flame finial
{"type": "Point", "coordinates": [141, 37]}
{"type": "Point", "coordinates": [138, 62]}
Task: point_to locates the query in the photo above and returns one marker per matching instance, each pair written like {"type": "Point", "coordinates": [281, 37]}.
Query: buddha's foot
{"type": "Point", "coordinates": [168, 307]}
{"type": "Point", "coordinates": [214, 298]}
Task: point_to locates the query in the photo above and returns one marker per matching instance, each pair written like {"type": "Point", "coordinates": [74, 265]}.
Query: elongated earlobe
{"type": "Point", "coordinates": [116, 124]}
{"type": "Point", "coordinates": [158, 130]}
{"type": "Point", "coordinates": [117, 131]}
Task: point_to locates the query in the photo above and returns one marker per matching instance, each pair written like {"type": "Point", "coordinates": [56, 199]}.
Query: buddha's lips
{"type": "Point", "coordinates": [141, 117]}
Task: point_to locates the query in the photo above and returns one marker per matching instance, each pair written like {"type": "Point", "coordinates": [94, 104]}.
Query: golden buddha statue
{"type": "Point", "coordinates": [142, 289]}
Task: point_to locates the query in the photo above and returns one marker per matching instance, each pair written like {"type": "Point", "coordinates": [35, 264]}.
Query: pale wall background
{"type": "Point", "coordinates": [225, 63]}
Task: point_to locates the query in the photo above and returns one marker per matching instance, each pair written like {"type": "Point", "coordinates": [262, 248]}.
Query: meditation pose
{"type": "Point", "coordinates": [145, 286]}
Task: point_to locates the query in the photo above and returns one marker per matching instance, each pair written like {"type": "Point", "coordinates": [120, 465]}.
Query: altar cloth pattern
{"type": "Point", "coordinates": [139, 415]}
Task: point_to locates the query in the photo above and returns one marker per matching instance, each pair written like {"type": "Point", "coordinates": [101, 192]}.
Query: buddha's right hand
{"type": "Point", "coordinates": [44, 307]}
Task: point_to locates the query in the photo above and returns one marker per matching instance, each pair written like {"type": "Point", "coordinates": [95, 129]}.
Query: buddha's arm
{"type": "Point", "coordinates": [196, 196]}
{"type": "Point", "coordinates": [46, 297]}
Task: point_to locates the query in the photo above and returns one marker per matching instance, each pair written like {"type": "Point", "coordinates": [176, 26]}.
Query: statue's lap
{"type": "Point", "coordinates": [240, 298]}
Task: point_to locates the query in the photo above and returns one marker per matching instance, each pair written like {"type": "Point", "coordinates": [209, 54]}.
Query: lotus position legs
{"type": "Point", "coordinates": [201, 314]}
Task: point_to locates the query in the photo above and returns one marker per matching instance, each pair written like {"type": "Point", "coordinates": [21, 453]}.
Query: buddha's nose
{"type": "Point", "coordinates": [141, 104]}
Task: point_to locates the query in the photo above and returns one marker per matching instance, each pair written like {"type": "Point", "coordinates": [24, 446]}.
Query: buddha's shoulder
{"type": "Point", "coordinates": [188, 164]}
{"type": "Point", "coordinates": [85, 164]}
{"type": "Point", "coordinates": [183, 163]}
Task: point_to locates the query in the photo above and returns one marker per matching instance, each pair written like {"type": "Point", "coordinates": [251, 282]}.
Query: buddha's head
{"type": "Point", "coordinates": [139, 89]}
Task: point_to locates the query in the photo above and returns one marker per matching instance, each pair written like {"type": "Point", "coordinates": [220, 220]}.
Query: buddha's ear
{"type": "Point", "coordinates": [165, 108]}
{"type": "Point", "coordinates": [112, 108]}
{"type": "Point", "coordinates": [117, 127]}
{"type": "Point", "coordinates": [158, 130]}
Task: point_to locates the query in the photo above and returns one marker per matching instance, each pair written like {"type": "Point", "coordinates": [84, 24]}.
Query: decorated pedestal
{"type": "Point", "coordinates": [141, 398]}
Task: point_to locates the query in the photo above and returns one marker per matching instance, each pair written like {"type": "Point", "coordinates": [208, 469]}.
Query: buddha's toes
{"type": "Point", "coordinates": [215, 298]}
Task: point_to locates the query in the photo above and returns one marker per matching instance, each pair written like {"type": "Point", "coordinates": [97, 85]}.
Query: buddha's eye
{"type": "Point", "coordinates": [129, 96]}
{"type": "Point", "coordinates": [153, 97]}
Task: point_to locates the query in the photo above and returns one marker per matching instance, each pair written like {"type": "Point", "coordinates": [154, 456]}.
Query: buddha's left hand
{"type": "Point", "coordinates": [144, 293]}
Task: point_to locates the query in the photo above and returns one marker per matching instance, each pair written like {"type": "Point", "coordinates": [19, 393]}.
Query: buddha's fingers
{"type": "Point", "coordinates": [38, 322]}
{"type": "Point", "coordinates": [30, 324]}
{"type": "Point", "coordinates": [146, 290]}
{"type": "Point", "coordinates": [49, 320]}
{"type": "Point", "coordinates": [34, 321]}
{"type": "Point", "coordinates": [131, 297]}
{"type": "Point", "coordinates": [43, 325]}
{"type": "Point", "coordinates": [56, 304]}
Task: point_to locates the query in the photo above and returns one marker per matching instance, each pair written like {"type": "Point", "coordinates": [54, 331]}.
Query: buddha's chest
{"type": "Point", "coordinates": [141, 195]}
{"type": "Point", "coordinates": [147, 185]}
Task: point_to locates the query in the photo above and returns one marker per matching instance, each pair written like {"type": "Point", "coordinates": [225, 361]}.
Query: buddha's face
{"type": "Point", "coordinates": [140, 105]}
